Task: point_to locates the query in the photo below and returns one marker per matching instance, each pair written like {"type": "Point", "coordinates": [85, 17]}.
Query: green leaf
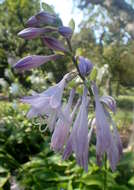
{"type": "Point", "coordinates": [4, 179]}
{"type": "Point", "coordinates": [93, 74]}
{"type": "Point", "coordinates": [79, 51]}
{"type": "Point", "coordinates": [48, 8]}
{"type": "Point", "coordinates": [118, 187]}
{"type": "Point", "coordinates": [131, 181]}
{"type": "Point", "coordinates": [70, 187]}
{"type": "Point", "coordinates": [72, 24]}
{"type": "Point", "coordinates": [94, 179]}
{"type": "Point", "coordinates": [2, 170]}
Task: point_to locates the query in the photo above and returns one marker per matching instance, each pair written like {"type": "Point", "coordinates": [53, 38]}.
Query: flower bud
{"type": "Point", "coordinates": [54, 44]}
{"type": "Point", "coordinates": [31, 33]}
{"type": "Point", "coordinates": [46, 18]}
{"type": "Point", "coordinates": [85, 66]}
{"type": "Point", "coordinates": [65, 31]}
{"type": "Point", "coordinates": [32, 22]}
{"type": "Point", "coordinates": [34, 61]}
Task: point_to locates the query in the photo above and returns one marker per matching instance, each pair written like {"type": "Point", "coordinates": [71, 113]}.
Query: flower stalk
{"type": "Point", "coordinates": [69, 125]}
{"type": "Point", "coordinates": [76, 65]}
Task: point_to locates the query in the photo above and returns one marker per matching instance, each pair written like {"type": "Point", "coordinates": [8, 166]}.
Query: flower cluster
{"type": "Point", "coordinates": [70, 124]}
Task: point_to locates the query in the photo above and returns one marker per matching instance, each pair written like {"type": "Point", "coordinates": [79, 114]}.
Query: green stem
{"type": "Point", "coordinates": [105, 172]}
{"type": "Point", "coordinates": [76, 65]}
{"type": "Point", "coordinates": [74, 60]}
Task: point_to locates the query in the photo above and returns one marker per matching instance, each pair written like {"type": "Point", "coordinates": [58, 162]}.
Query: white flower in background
{"type": "Point", "coordinates": [14, 89]}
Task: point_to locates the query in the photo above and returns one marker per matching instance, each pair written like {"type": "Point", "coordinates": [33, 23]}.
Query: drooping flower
{"type": "Point", "coordinates": [85, 66]}
{"type": "Point", "coordinates": [54, 44]}
{"type": "Point", "coordinates": [105, 138]}
{"type": "Point", "coordinates": [102, 127]}
{"type": "Point", "coordinates": [34, 61]}
{"type": "Point", "coordinates": [109, 102]}
{"type": "Point", "coordinates": [116, 150]}
{"type": "Point", "coordinates": [62, 127]}
{"type": "Point", "coordinates": [31, 33]}
{"type": "Point", "coordinates": [47, 103]}
{"type": "Point", "coordinates": [65, 31]}
{"type": "Point", "coordinates": [79, 135]}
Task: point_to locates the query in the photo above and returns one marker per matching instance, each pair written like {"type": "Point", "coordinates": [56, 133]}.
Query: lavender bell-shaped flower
{"type": "Point", "coordinates": [34, 61]}
{"type": "Point", "coordinates": [47, 103]}
{"type": "Point", "coordinates": [62, 127]}
{"type": "Point", "coordinates": [116, 149]}
{"type": "Point", "coordinates": [54, 44]}
{"type": "Point", "coordinates": [105, 138]}
{"type": "Point", "coordinates": [85, 66]}
{"type": "Point", "coordinates": [111, 104]}
{"type": "Point", "coordinates": [65, 31]}
{"type": "Point", "coordinates": [79, 135]}
{"type": "Point", "coordinates": [102, 128]}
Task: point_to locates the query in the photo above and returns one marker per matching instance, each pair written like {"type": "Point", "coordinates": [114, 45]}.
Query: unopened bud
{"type": "Point", "coordinates": [65, 31]}
{"type": "Point", "coordinates": [85, 66]}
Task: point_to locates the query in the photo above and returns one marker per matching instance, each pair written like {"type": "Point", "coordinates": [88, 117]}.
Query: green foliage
{"type": "Point", "coordinates": [25, 154]}
{"type": "Point", "coordinates": [48, 8]}
{"type": "Point", "coordinates": [126, 102]}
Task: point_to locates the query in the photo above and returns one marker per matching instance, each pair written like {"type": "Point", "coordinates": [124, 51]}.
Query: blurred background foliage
{"type": "Point", "coordinates": [105, 37]}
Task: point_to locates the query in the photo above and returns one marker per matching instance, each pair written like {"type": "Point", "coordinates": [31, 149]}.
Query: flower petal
{"type": "Point", "coordinates": [62, 128]}
{"type": "Point", "coordinates": [109, 102]}
{"type": "Point", "coordinates": [102, 127]}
